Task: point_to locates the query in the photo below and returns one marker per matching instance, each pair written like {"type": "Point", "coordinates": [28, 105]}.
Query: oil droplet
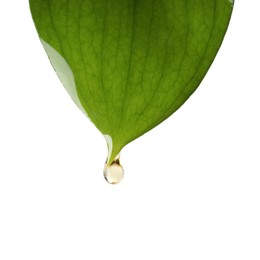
{"type": "Point", "coordinates": [114, 173]}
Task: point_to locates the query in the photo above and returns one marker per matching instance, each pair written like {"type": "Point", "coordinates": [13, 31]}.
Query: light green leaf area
{"type": "Point", "coordinates": [130, 64]}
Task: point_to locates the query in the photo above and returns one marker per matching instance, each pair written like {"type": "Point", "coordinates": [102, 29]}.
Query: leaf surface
{"type": "Point", "coordinates": [130, 64]}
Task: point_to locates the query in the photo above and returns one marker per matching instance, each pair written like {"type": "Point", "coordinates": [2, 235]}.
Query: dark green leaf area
{"type": "Point", "coordinates": [135, 62]}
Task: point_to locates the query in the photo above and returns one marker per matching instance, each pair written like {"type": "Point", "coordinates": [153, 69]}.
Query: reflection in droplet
{"type": "Point", "coordinates": [114, 173]}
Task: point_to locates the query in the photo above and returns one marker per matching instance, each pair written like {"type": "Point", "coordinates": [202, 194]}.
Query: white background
{"type": "Point", "coordinates": [192, 184]}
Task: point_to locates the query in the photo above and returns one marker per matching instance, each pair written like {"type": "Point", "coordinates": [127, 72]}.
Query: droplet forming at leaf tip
{"type": "Point", "coordinates": [114, 172]}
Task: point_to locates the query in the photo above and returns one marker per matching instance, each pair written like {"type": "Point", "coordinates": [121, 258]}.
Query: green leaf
{"type": "Point", "coordinates": [130, 64]}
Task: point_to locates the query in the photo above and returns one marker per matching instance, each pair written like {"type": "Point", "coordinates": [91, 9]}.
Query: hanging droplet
{"type": "Point", "coordinates": [114, 173]}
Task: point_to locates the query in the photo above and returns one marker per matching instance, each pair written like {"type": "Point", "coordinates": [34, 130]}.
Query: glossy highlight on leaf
{"type": "Point", "coordinates": [130, 64]}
